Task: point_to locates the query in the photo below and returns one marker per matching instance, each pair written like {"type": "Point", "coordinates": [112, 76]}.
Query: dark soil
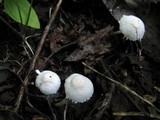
{"type": "Point", "coordinates": [125, 74]}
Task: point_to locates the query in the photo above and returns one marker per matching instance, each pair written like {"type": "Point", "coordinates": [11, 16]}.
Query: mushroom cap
{"type": "Point", "coordinates": [78, 88]}
{"type": "Point", "coordinates": [48, 82]}
{"type": "Point", "coordinates": [132, 27]}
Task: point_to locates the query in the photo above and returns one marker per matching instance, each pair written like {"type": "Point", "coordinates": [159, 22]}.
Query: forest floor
{"type": "Point", "coordinates": [81, 39]}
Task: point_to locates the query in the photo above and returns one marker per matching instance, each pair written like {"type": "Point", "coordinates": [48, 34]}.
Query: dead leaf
{"type": "Point", "coordinates": [91, 46]}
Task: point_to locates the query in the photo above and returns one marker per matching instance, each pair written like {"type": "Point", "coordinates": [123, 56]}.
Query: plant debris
{"type": "Point", "coordinates": [78, 36]}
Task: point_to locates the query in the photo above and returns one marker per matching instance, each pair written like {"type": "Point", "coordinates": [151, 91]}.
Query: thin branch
{"type": "Point", "coordinates": [31, 68]}
{"type": "Point", "coordinates": [135, 114]}
{"type": "Point", "coordinates": [53, 114]}
{"type": "Point", "coordinates": [45, 33]}
{"type": "Point", "coordinates": [65, 111]}
{"type": "Point", "coordinates": [122, 86]}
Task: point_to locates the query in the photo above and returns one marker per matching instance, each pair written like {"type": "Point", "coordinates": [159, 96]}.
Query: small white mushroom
{"type": "Point", "coordinates": [132, 27]}
{"type": "Point", "coordinates": [78, 88]}
{"type": "Point", "coordinates": [48, 82]}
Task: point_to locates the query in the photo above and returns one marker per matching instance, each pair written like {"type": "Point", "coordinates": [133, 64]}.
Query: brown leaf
{"type": "Point", "coordinates": [56, 38]}
{"type": "Point", "coordinates": [91, 46]}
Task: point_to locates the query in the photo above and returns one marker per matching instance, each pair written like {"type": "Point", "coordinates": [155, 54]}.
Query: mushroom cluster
{"type": "Point", "coordinates": [78, 88]}
{"type": "Point", "coordinates": [48, 82]}
{"type": "Point", "coordinates": [132, 27]}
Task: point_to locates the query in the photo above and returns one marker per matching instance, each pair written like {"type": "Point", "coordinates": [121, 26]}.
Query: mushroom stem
{"type": "Point", "coordinates": [116, 32]}
{"type": "Point", "coordinates": [61, 103]}
{"type": "Point", "coordinates": [37, 71]}
{"type": "Point", "coordinates": [65, 111]}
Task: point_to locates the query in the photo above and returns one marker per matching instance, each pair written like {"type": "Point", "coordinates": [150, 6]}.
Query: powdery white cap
{"type": "Point", "coordinates": [78, 88]}
{"type": "Point", "coordinates": [132, 27]}
{"type": "Point", "coordinates": [48, 82]}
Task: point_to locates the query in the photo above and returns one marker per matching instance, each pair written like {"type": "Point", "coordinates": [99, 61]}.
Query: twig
{"type": "Point", "coordinates": [57, 50]}
{"type": "Point", "coordinates": [65, 111]}
{"type": "Point", "coordinates": [135, 114]}
{"type": "Point", "coordinates": [35, 109]}
{"type": "Point", "coordinates": [108, 95]}
{"type": "Point", "coordinates": [122, 86]}
{"type": "Point", "coordinates": [106, 102]}
{"type": "Point", "coordinates": [45, 33]}
{"type": "Point", "coordinates": [26, 80]}
{"type": "Point", "coordinates": [53, 114]}
{"type": "Point", "coordinates": [28, 45]}
{"type": "Point", "coordinates": [133, 101]}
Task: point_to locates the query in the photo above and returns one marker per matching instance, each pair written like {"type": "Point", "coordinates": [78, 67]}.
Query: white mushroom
{"type": "Point", "coordinates": [48, 82]}
{"type": "Point", "coordinates": [132, 27]}
{"type": "Point", "coordinates": [78, 88]}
